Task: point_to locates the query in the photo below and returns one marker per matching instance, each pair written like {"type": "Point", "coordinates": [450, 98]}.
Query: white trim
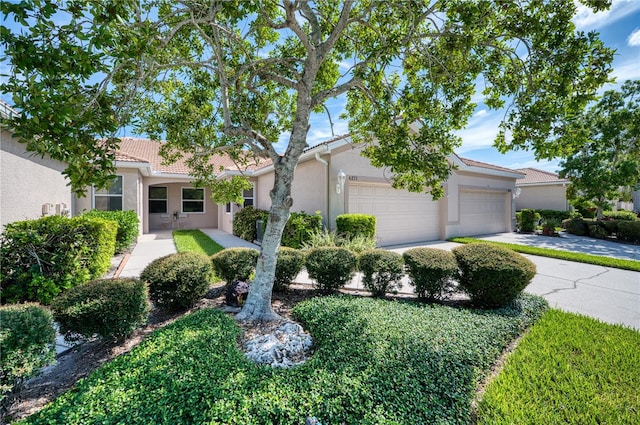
{"type": "Point", "coordinates": [182, 200]}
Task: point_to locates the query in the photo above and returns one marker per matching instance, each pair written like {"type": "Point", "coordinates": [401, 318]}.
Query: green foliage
{"type": "Point", "coordinates": [330, 267]}
{"type": "Point", "coordinates": [585, 207]}
{"type": "Point", "coordinates": [528, 220]}
{"type": "Point", "coordinates": [620, 215]}
{"type": "Point", "coordinates": [549, 226]}
{"type": "Point", "coordinates": [233, 264]}
{"type": "Point", "coordinates": [351, 225]}
{"type": "Point", "coordinates": [430, 271]}
{"type": "Point", "coordinates": [177, 281]}
{"type": "Point", "coordinates": [194, 240]}
{"type": "Point", "coordinates": [407, 364]}
{"type": "Point", "coordinates": [564, 255]}
{"type": "Point", "coordinates": [576, 226]}
{"type": "Point", "coordinates": [554, 215]}
{"type": "Point", "coordinates": [127, 226]}
{"type": "Point", "coordinates": [299, 228]}
{"type": "Point", "coordinates": [598, 231]}
{"type": "Point", "coordinates": [382, 271]}
{"type": "Point", "coordinates": [290, 262]}
{"type": "Point", "coordinates": [563, 361]}
{"type": "Point", "coordinates": [323, 238]}
{"type": "Point", "coordinates": [27, 340]}
{"type": "Point", "coordinates": [629, 231]}
{"type": "Point", "coordinates": [109, 308]}
{"type": "Point", "coordinates": [244, 222]}
{"type": "Point", "coordinates": [43, 257]}
{"type": "Point", "coordinates": [491, 275]}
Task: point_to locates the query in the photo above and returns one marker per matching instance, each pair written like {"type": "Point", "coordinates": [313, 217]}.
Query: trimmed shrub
{"type": "Point", "coordinates": [576, 226]}
{"type": "Point", "coordinates": [528, 220]}
{"type": "Point", "coordinates": [430, 271]}
{"type": "Point", "coordinates": [629, 231]}
{"type": "Point", "coordinates": [233, 264]}
{"type": "Point", "coordinates": [330, 267]}
{"type": "Point", "coordinates": [289, 263]}
{"type": "Point", "coordinates": [177, 281]}
{"type": "Point", "coordinates": [27, 339]}
{"type": "Point", "coordinates": [382, 271]}
{"type": "Point", "coordinates": [351, 225]}
{"type": "Point", "coordinates": [127, 226]}
{"type": "Point", "coordinates": [492, 275]}
{"type": "Point", "coordinates": [244, 222]}
{"type": "Point", "coordinates": [554, 215]}
{"type": "Point", "coordinates": [299, 228]}
{"type": "Point", "coordinates": [109, 308]}
{"type": "Point", "coordinates": [597, 230]}
{"type": "Point", "coordinates": [41, 258]}
{"type": "Point", "coordinates": [620, 215]}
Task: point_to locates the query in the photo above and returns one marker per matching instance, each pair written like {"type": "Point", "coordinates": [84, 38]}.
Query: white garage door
{"type": "Point", "coordinates": [401, 216]}
{"type": "Point", "coordinates": [482, 212]}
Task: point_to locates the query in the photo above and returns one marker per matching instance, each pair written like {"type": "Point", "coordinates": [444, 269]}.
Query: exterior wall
{"type": "Point", "coordinates": [27, 182]}
{"type": "Point", "coordinates": [547, 197]}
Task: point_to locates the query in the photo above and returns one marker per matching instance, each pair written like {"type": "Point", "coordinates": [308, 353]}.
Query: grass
{"type": "Point", "coordinates": [375, 362]}
{"type": "Point", "coordinates": [569, 369]}
{"type": "Point", "coordinates": [195, 241]}
{"type": "Point", "coordinates": [617, 263]}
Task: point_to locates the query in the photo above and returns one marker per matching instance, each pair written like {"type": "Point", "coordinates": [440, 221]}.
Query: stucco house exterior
{"type": "Point", "coordinates": [30, 186]}
{"type": "Point", "coordinates": [541, 190]}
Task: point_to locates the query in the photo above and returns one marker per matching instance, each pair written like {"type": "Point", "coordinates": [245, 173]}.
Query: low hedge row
{"type": "Point", "coordinates": [127, 226]}
{"type": "Point", "coordinates": [43, 257]}
{"type": "Point", "coordinates": [623, 230]}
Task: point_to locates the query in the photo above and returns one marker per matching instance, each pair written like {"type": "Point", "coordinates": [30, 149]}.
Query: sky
{"type": "Point", "coordinates": [619, 28]}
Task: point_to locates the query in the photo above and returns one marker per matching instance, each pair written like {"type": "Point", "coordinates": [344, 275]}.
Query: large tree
{"type": "Point", "coordinates": [235, 77]}
{"type": "Point", "coordinates": [608, 137]}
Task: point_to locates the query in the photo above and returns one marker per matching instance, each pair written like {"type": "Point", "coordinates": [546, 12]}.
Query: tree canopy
{"type": "Point", "coordinates": [235, 77]}
{"type": "Point", "coordinates": [608, 137]}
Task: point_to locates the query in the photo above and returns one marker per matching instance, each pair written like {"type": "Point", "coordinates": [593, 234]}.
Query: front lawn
{"type": "Point", "coordinates": [375, 361]}
{"type": "Point", "coordinates": [578, 257]}
{"type": "Point", "coordinates": [569, 369]}
{"type": "Point", "coordinates": [195, 241]}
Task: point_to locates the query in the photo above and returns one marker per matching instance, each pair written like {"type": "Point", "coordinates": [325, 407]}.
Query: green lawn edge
{"type": "Point", "coordinates": [597, 260]}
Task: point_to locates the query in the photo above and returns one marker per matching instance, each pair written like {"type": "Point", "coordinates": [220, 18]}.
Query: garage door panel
{"type": "Point", "coordinates": [482, 212]}
{"type": "Point", "coordinates": [401, 216]}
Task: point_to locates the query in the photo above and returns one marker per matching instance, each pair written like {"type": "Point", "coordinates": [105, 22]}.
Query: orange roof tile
{"type": "Point", "coordinates": [474, 163]}
{"type": "Point", "coordinates": [534, 175]}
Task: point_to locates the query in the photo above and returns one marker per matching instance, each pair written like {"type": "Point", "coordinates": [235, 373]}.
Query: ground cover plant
{"type": "Point", "coordinates": [568, 369]}
{"type": "Point", "coordinates": [375, 361]}
{"type": "Point", "coordinates": [617, 263]}
{"type": "Point", "coordinates": [195, 241]}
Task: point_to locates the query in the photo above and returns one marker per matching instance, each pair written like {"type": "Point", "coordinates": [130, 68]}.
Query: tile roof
{"type": "Point", "coordinates": [474, 163]}
{"type": "Point", "coordinates": [536, 176]}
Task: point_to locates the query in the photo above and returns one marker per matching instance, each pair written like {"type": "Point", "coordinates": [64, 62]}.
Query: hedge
{"type": "Point", "coordinates": [296, 232]}
{"type": "Point", "coordinates": [352, 225]}
{"type": "Point", "coordinates": [127, 226]}
{"type": "Point", "coordinates": [431, 271]}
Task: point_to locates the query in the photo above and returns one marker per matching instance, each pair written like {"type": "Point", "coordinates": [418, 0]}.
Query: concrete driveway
{"type": "Point", "coordinates": [608, 294]}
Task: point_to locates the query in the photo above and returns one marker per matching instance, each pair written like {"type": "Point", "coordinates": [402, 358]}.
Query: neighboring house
{"type": "Point", "coordinates": [30, 186]}
{"type": "Point", "coordinates": [541, 190]}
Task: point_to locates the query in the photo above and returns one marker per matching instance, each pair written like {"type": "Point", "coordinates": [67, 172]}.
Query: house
{"type": "Point", "coordinates": [31, 186]}
{"type": "Point", "coordinates": [541, 190]}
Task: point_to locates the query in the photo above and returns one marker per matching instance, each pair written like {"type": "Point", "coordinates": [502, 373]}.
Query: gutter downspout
{"type": "Point", "coordinates": [326, 168]}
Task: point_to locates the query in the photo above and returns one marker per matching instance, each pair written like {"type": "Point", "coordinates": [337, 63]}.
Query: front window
{"type": "Point", "coordinates": [158, 199]}
{"type": "Point", "coordinates": [192, 200]}
{"type": "Point", "coordinates": [247, 195]}
{"type": "Point", "coordinates": [109, 199]}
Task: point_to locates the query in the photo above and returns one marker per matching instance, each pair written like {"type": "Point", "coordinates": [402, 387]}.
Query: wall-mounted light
{"type": "Point", "coordinates": [342, 177]}
{"type": "Point", "coordinates": [516, 193]}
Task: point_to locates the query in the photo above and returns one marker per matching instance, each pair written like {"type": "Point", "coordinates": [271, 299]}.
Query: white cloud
{"type": "Point", "coordinates": [585, 19]}
{"type": "Point", "coordinates": [481, 131]}
{"type": "Point", "coordinates": [481, 113]}
{"type": "Point", "coordinates": [634, 38]}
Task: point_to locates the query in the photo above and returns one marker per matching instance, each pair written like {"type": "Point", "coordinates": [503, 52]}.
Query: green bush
{"type": "Point", "coordinates": [382, 271]}
{"type": "Point", "coordinates": [41, 258]}
{"type": "Point", "coordinates": [289, 263]}
{"type": "Point", "coordinates": [357, 244]}
{"type": "Point", "coordinates": [585, 207]}
{"type": "Point", "coordinates": [350, 225]}
{"type": "Point", "coordinates": [244, 222]}
{"type": "Point", "coordinates": [629, 231]}
{"type": "Point", "coordinates": [528, 220]}
{"type": "Point", "coordinates": [330, 267]}
{"type": "Point", "coordinates": [299, 228]}
{"type": "Point", "coordinates": [109, 308]}
{"type": "Point", "coordinates": [491, 275]}
{"type": "Point", "coordinates": [127, 226]}
{"type": "Point", "coordinates": [178, 280]}
{"type": "Point", "coordinates": [233, 264]}
{"type": "Point", "coordinates": [554, 215]}
{"type": "Point", "coordinates": [430, 271]}
{"type": "Point", "coordinates": [620, 215]}
{"type": "Point", "coordinates": [576, 226]}
{"type": "Point", "coordinates": [598, 231]}
{"type": "Point", "coordinates": [27, 339]}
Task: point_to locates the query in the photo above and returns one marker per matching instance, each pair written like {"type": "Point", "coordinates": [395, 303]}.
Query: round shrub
{"type": "Point", "coordinates": [382, 271]}
{"type": "Point", "coordinates": [234, 264]}
{"type": "Point", "coordinates": [27, 339]}
{"type": "Point", "coordinates": [491, 275]}
{"type": "Point", "coordinates": [109, 308]}
{"type": "Point", "coordinates": [576, 226]}
{"type": "Point", "coordinates": [430, 271]}
{"type": "Point", "coordinates": [289, 263]}
{"type": "Point", "coordinates": [330, 267]}
{"type": "Point", "coordinates": [178, 280]}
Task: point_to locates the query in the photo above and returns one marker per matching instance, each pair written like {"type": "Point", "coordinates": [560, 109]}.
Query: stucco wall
{"type": "Point", "coordinates": [27, 182]}
{"type": "Point", "coordinates": [548, 197]}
